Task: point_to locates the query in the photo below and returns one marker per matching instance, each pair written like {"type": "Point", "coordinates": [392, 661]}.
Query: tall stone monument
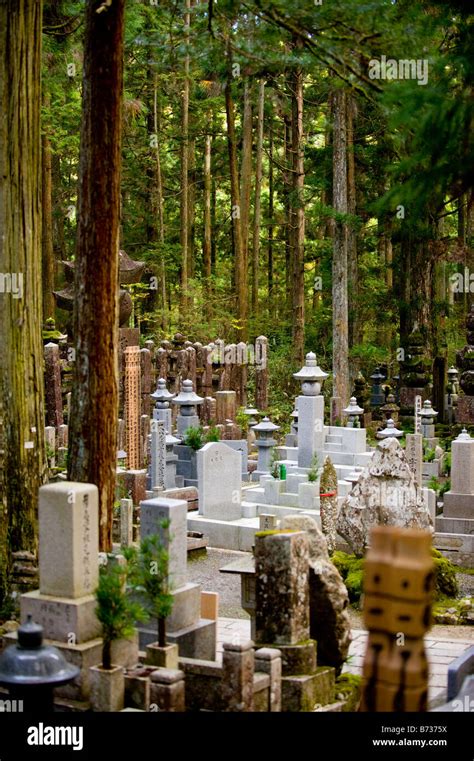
{"type": "Point", "coordinates": [132, 405]}
{"type": "Point", "coordinates": [310, 411]}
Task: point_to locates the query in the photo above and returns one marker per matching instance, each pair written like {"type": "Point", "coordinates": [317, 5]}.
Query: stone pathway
{"type": "Point", "coordinates": [440, 653]}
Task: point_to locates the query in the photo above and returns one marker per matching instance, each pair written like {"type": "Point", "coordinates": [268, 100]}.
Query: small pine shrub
{"type": "Point", "coordinates": [194, 438]}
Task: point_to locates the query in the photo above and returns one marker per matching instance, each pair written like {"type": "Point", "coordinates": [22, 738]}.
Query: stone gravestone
{"type": "Point", "coordinates": [126, 522]}
{"type": "Point", "coordinates": [282, 617]}
{"type": "Point", "coordinates": [241, 446]}
{"type": "Point", "coordinates": [158, 454]}
{"type": "Point", "coordinates": [219, 482]}
{"type": "Point", "coordinates": [385, 494]}
{"type": "Point", "coordinates": [153, 512]}
{"type": "Point", "coordinates": [458, 512]}
{"type": "Point", "coordinates": [65, 603]}
{"type": "Point", "coordinates": [329, 622]}
{"type": "Point", "coordinates": [414, 454]}
{"type": "Point", "coordinates": [52, 385]}
{"type": "Point", "coordinates": [281, 566]}
{"type": "Point", "coordinates": [132, 406]}
{"type": "Point", "coordinates": [195, 636]}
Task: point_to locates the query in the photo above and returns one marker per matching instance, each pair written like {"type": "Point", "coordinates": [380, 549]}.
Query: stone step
{"type": "Point", "coordinates": [303, 693]}
{"type": "Point", "coordinates": [455, 525]}
{"type": "Point", "coordinates": [331, 438]}
{"type": "Point", "coordinates": [333, 447]}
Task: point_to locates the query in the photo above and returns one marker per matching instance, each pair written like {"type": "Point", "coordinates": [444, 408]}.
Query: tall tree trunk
{"type": "Point", "coordinates": [160, 205]}
{"type": "Point", "coordinates": [191, 206]}
{"type": "Point", "coordinates": [287, 162]}
{"type": "Point", "coordinates": [22, 447]}
{"type": "Point", "coordinates": [47, 229]}
{"type": "Point", "coordinates": [206, 248]}
{"type": "Point", "coordinates": [257, 203]}
{"type": "Point", "coordinates": [184, 235]}
{"type": "Point", "coordinates": [213, 221]}
{"type": "Point", "coordinates": [353, 276]}
{"type": "Point", "coordinates": [271, 203]}
{"type": "Point", "coordinates": [59, 244]}
{"type": "Point", "coordinates": [297, 215]}
{"type": "Point", "coordinates": [239, 269]}
{"type": "Point", "coordinates": [94, 404]}
{"type": "Point", "coordinates": [245, 193]}
{"type": "Point", "coordinates": [340, 360]}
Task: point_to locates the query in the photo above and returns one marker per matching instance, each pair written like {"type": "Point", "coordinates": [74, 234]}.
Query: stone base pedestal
{"type": "Point", "coordinates": [65, 620]}
{"type": "Point", "coordinates": [298, 659]}
{"type": "Point", "coordinates": [303, 693]}
{"type": "Point", "coordinates": [196, 641]}
{"type": "Point", "coordinates": [107, 689]}
{"type": "Point", "coordinates": [164, 657]}
{"type": "Point", "coordinates": [465, 410]}
{"type": "Point", "coordinates": [458, 505]}
{"type": "Point", "coordinates": [459, 548]}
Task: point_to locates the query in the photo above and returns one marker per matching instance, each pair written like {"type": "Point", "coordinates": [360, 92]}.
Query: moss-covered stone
{"type": "Point", "coordinates": [348, 688]}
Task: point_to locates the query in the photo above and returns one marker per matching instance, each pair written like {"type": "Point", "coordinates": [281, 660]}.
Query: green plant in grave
{"type": "Point", "coordinates": [434, 484]}
{"type": "Point", "coordinates": [313, 472]}
{"type": "Point", "coordinates": [429, 454]}
{"type": "Point", "coordinates": [150, 577]}
{"type": "Point", "coordinates": [212, 434]}
{"type": "Point", "coordinates": [115, 610]}
{"type": "Point", "coordinates": [194, 438]}
{"type": "Point", "coordinates": [274, 467]}
{"type": "Point", "coordinates": [242, 420]}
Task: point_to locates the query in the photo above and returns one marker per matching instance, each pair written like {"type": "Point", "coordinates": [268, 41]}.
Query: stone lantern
{"type": "Point", "coordinates": [311, 376]}
{"type": "Point", "coordinates": [251, 413]}
{"type": "Point", "coordinates": [390, 409]}
{"type": "Point", "coordinates": [31, 670]}
{"type": "Point", "coordinates": [353, 411]}
{"type": "Point", "coordinates": [428, 416]}
{"type": "Point", "coordinates": [452, 393]}
{"type": "Point", "coordinates": [162, 409]}
{"type": "Point", "coordinates": [187, 401]}
{"type": "Point", "coordinates": [265, 442]}
{"type": "Point", "coordinates": [389, 430]}
{"type": "Point", "coordinates": [377, 396]}
{"type": "Point", "coordinates": [121, 459]}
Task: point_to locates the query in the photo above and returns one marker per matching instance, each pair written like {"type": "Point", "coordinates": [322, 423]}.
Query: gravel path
{"type": "Point", "coordinates": [203, 569]}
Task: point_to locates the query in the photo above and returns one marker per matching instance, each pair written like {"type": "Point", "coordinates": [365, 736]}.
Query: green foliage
{"type": "Point", "coordinates": [194, 438]}
{"type": "Point", "coordinates": [274, 467]}
{"type": "Point", "coordinates": [351, 570]}
{"type": "Point", "coordinates": [242, 420]}
{"type": "Point", "coordinates": [447, 463]}
{"type": "Point", "coordinates": [149, 576]}
{"type": "Point", "coordinates": [429, 454]}
{"type": "Point", "coordinates": [313, 473]}
{"type": "Point", "coordinates": [115, 610]}
{"type": "Point", "coordinates": [434, 484]}
{"type": "Point", "coordinates": [213, 434]}
{"type": "Point", "coordinates": [446, 583]}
